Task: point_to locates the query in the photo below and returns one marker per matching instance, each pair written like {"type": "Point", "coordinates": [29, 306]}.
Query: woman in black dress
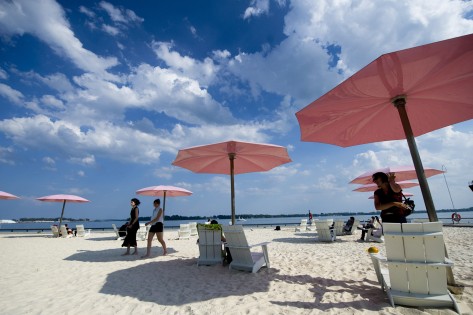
{"type": "Point", "coordinates": [133, 226]}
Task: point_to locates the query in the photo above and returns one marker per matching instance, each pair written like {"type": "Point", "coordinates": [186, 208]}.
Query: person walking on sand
{"type": "Point", "coordinates": [157, 228]}
{"type": "Point", "coordinates": [133, 226]}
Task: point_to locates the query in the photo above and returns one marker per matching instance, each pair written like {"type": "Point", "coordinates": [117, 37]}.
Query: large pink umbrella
{"type": "Point", "coordinates": [169, 191]}
{"type": "Point", "coordinates": [63, 199]}
{"type": "Point", "coordinates": [400, 95]}
{"type": "Point", "coordinates": [5, 195]}
{"type": "Point", "coordinates": [402, 173]}
{"type": "Point", "coordinates": [373, 187]}
{"type": "Point", "coordinates": [232, 157]}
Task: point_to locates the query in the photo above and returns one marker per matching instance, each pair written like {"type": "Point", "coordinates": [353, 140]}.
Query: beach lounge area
{"type": "Point", "coordinates": [88, 275]}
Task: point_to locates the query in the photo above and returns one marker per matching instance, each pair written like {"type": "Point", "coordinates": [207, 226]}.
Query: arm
{"type": "Point", "coordinates": [383, 206]}
{"type": "Point", "coordinates": [136, 217]}
{"type": "Point", "coordinates": [160, 213]}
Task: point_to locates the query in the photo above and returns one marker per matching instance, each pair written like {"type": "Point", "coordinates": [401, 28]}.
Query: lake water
{"type": "Point", "coordinates": [467, 217]}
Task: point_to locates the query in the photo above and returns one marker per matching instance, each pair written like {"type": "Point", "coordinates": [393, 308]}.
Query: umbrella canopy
{"type": "Point", "coordinates": [63, 199]}
{"type": "Point", "coordinates": [373, 187]}
{"type": "Point", "coordinates": [232, 157]}
{"type": "Point", "coordinates": [403, 173]}
{"type": "Point", "coordinates": [5, 195]}
{"type": "Point", "coordinates": [397, 96]}
{"type": "Point", "coordinates": [164, 191]}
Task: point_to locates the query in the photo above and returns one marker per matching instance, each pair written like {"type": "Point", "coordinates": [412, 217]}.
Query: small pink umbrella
{"type": "Point", "coordinates": [402, 173]}
{"type": "Point", "coordinates": [373, 187]}
{"type": "Point", "coordinates": [164, 191]}
{"type": "Point", "coordinates": [63, 199]}
{"type": "Point", "coordinates": [232, 157]}
{"type": "Point", "coordinates": [407, 194]}
{"type": "Point", "coordinates": [7, 196]}
{"type": "Point", "coordinates": [399, 95]}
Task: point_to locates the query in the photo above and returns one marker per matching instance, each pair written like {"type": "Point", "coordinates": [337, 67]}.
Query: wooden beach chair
{"type": "Point", "coordinates": [338, 226]}
{"type": "Point", "coordinates": [55, 231]}
{"type": "Point", "coordinates": [324, 232]}
{"type": "Point", "coordinates": [210, 244]}
{"type": "Point", "coordinates": [81, 232]}
{"type": "Point", "coordinates": [193, 227]}
{"type": "Point", "coordinates": [414, 271]}
{"type": "Point", "coordinates": [184, 231]}
{"type": "Point", "coordinates": [243, 257]}
{"type": "Point", "coordinates": [117, 232]}
{"type": "Point", "coordinates": [142, 233]}
{"type": "Point", "coordinates": [302, 226]}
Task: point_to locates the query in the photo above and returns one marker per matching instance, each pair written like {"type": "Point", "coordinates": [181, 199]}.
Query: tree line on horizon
{"type": "Point", "coordinates": [243, 216]}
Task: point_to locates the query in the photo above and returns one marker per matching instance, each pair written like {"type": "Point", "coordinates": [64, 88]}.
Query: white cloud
{"type": "Point", "coordinates": [256, 8]}
{"type": "Point", "coordinates": [120, 15]}
{"type": "Point", "coordinates": [3, 74]}
{"type": "Point", "coordinates": [12, 95]}
{"type": "Point", "coordinates": [46, 20]}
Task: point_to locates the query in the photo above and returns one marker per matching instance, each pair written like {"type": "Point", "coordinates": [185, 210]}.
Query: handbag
{"type": "Point", "coordinates": [411, 205]}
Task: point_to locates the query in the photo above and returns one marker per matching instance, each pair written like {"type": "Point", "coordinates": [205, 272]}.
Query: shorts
{"type": "Point", "coordinates": [157, 228]}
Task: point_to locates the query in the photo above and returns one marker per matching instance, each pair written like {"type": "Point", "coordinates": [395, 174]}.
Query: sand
{"type": "Point", "coordinates": [45, 275]}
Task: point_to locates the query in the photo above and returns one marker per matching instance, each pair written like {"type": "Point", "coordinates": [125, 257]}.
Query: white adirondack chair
{"type": "Point", "coordinates": [324, 232]}
{"type": "Point", "coordinates": [375, 235]}
{"type": "Point", "coordinates": [416, 265]}
{"type": "Point", "coordinates": [338, 227]}
{"type": "Point", "coordinates": [243, 258]}
{"type": "Point", "coordinates": [81, 232]}
{"type": "Point", "coordinates": [142, 233]}
{"type": "Point", "coordinates": [353, 228]}
{"type": "Point", "coordinates": [64, 233]}
{"type": "Point", "coordinates": [184, 231]}
{"type": "Point", "coordinates": [55, 231]}
{"type": "Point", "coordinates": [117, 232]}
{"type": "Point", "coordinates": [302, 227]}
{"type": "Point", "coordinates": [193, 227]}
{"type": "Point", "coordinates": [210, 244]}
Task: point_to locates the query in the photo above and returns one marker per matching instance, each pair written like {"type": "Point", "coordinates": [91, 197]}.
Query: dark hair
{"type": "Point", "coordinates": [213, 222]}
{"type": "Point", "coordinates": [136, 201]}
{"type": "Point", "coordinates": [383, 176]}
{"type": "Point", "coordinates": [157, 201]}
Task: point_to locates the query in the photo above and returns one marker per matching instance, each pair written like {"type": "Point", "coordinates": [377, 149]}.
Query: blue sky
{"type": "Point", "coordinates": [97, 97]}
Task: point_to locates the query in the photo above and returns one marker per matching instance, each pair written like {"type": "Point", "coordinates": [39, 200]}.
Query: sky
{"type": "Point", "coordinates": [97, 97]}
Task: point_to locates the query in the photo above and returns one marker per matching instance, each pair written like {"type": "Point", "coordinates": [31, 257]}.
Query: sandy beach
{"type": "Point", "coordinates": [45, 275]}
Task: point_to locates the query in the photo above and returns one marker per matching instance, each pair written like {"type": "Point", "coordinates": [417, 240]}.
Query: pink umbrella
{"type": "Point", "coordinates": [63, 199]}
{"type": "Point", "coordinates": [373, 187]}
{"type": "Point", "coordinates": [397, 96]}
{"type": "Point", "coordinates": [5, 196]}
{"type": "Point", "coordinates": [232, 157]}
{"type": "Point", "coordinates": [407, 194]}
{"type": "Point", "coordinates": [169, 191]}
{"type": "Point", "coordinates": [402, 173]}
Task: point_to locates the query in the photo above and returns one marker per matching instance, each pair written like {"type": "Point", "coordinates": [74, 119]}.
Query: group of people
{"type": "Point", "coordinates": [387, 199]}
{"type": "Point", "coordinates": [157, 227]}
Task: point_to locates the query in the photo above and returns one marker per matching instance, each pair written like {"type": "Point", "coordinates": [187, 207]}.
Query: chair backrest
{"type": "Point", "coordinates": [236, 241]}
{"type": "Point", "coordinates": [80, 230]}
{"type": "Point", "coordinates": [63, 231]}
{"type": "Point", "coordinates": [210, 244]}
{"type": "Point", "coordinates": [303, 223]}
{"type": "Point", "coordinates": [193, 228]}
{"type": "Point", "coordinates": [354, 227]}
{"type": "Point", "coordinates": [323, 230]}
{"type": "Point", "coordinates": [184, 231]}
{"type": "Point", "coordinates": [414, 245]}
{"type": "Point", "coordinates": [338, 227]}
{"type": "Point", "coordinates": [55, 231]}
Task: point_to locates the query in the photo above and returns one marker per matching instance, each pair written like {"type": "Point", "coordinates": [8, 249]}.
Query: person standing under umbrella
{"type": "Point", "coordinates": [388, 198]}
{"type": "Point", "coordinates": [157, 228]}
{"type": "Point", "coordinates": [133, 226]}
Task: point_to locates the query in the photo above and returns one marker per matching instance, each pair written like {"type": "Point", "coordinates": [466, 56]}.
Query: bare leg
{"type": "Point", "coordinates": [136, 250]}
{"type": "Point", "coordinates": [127, 251]}
{"type": "Point", "coordinates": [161, 240]}
{"type": "Point", "coordinates": [148, 248]}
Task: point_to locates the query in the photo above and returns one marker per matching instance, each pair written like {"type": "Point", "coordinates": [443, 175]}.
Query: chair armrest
{"type": "Point", "coordinates": [260, 244]}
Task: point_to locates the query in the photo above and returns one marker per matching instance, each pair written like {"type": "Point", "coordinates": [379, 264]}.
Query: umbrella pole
{"type": "Point", "coordinates": [62, 213]}
{"type": "Point", "coordinates": [164, 203]}
{"type": "Point", "coordinates": [400, 103]}
{"type": "Point", "coordinates": [231, 156]}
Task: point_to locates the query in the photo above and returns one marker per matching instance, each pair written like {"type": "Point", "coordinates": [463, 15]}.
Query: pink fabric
{"type": "Point", "coordinates": [61, 198]}
{"type": "Point", "coordinates": [402, 173]}
{"type": "Point", "coordinates": [373, 187]}
{"type": "Point", "coordinates": [249, 157]}
{"type": "Point", "coordinates": [437, 80]}
{"type": "Point", "coordinates": [171, 191]}
{"type": "Point", "coordinates": [5, 195]}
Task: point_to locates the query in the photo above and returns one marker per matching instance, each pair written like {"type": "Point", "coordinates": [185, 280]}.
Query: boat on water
{"type": "Point", "coordinates": [7, 221]}
{"type": "Point", "coordinates": [241, 219]}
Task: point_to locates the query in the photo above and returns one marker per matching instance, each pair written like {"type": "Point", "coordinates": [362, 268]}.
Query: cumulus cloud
{"type": "Point", "coordinates": [11, 94]}
{"type": "Point", "coordinates": [46, 20]}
